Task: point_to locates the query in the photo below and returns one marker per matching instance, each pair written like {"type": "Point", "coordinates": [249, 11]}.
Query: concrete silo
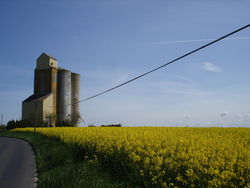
{"type": "Point", "coordinates": [56, 94]}
{"type": "Point", "coordinates": [75, 97]}
{"type": "Point", "coordinates": [64, 95]}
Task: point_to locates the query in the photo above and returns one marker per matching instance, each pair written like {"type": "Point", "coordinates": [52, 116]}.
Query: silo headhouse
{"type": "Point", "coordinates": [56, 94]}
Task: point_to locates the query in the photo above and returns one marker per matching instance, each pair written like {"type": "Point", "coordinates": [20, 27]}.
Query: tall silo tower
{"type": "Point", "coordinates": [56, 94]}
{"type": "Point", "coordinates": [75, 97]}
{"type": "Point", "coordinates": [46, 77]}
{"type": "Point", "coordinates": [43, 102]}
{"type": "Point", "coordinates": [64, 95]}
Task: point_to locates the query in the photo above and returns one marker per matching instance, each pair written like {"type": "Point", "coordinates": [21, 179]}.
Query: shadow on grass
{"type": "Point", "coordinates": [59, 166]}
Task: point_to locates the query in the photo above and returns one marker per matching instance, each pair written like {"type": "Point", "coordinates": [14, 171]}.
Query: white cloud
{"type": "Point", "coordinates": [223, 114]}
{"type": "Point", "coordinates": [179, 87]}
{"type": "Point", "coordinates": [187, 116]}
{"type": "Point", "coordinates": [210, 67]}
{"type": "Point", "coordinates": [238, 116]}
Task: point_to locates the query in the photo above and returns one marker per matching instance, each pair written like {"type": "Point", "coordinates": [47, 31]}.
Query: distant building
{"type": "Point", "coordinates": [56, 94]}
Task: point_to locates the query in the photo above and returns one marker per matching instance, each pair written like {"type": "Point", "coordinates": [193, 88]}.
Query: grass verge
{"type": "Point", "coordinates": [59, 166]}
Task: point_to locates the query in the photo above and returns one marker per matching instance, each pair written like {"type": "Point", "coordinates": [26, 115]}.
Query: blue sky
{"type": "Point", "coordinates": [111, 41]}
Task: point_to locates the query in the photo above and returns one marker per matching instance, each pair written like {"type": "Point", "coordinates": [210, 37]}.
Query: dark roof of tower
{"type": "Point", "coordinates": [50, 56]}
{"type": "Point", "coordinates": [63, 69]}
{"type": "Point", "coordinates": [37, 97]}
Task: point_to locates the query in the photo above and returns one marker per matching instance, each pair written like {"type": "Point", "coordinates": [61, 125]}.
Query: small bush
{"type": "Point", "coordinates": [112, 125]}
{"type": "Point", "coordinates": [65, 123]}
{"type": "Point", "coordinates": [18, 124]}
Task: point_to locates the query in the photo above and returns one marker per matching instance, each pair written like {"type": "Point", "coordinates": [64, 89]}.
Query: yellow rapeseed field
{"type": "Point", "coordinates": [165, 156]}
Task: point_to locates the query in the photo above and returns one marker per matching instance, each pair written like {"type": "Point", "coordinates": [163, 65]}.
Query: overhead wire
{"type": "Point", "coordinates": [155, 69]}
{"type": "Point", "coordinates": [168, 63]}
{"type": "Point", "coordinates": [161, 66]}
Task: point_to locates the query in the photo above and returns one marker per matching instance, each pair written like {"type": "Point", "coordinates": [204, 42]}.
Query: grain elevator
{"type": "Point", "coordinates": [56, 94]}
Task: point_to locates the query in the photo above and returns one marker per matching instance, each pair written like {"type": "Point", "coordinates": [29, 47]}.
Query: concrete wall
{"type": "Point", "coordinates": [43, 109]}
{"type": "Point", "coordinates": [42, 82]}
{"type": "Point", "coordinates": [29, 111]}
{"type": "Point", "coordinates": [48, 110]}
{"type": "Point", "coordinates": [46, 82]}
{"type": "Point", "coordinates": [45, 62]}
{"type": "Point", "coordinates": [54, 82]}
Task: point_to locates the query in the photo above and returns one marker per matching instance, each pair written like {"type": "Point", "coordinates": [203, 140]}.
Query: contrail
{"type": "Point", "coordinates": [198, 40]}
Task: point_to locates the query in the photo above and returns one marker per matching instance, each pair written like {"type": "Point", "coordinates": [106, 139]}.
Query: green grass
{"type": "Point", "coordinates": [59, 166]}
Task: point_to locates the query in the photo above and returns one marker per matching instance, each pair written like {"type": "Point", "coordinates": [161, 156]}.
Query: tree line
{"type": "Point", "coordinates": [12, 124]}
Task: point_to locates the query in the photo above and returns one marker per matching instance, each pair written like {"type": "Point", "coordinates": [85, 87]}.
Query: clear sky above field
{"type": "Point", "coordinates": [111, 41]}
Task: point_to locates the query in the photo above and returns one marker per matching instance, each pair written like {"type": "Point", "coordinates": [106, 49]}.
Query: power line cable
{"type": "Point", "coordinates": [168, 63]}
{"type": "Point", "coordinates": [157, 68]}
{"type": "Point", "coordinates": [153, 70]}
